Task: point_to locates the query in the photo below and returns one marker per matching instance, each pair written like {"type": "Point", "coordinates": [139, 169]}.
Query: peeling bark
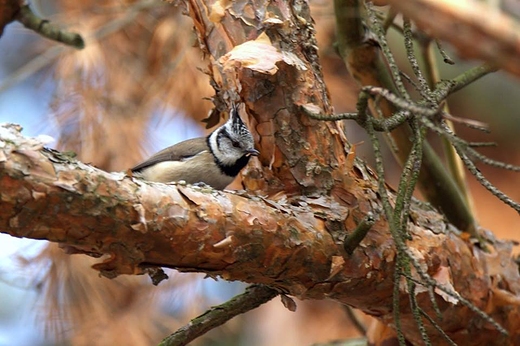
{"type": "Point", "coordinates": [294, 245]}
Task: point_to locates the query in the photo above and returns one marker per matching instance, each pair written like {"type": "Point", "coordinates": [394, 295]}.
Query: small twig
{"type": "Point", "coordinates": [42, 26]}
{"type": "Point", "coordinates": [332, 117]}
{"type": "Point", "coordinates": [380, 125]}
{"type": "Point", "coordinates": [389, 124]}
{"type": "Point", "coordinates": [380, 32]}
{"type": "Point", "coordinates": [435, 306]}
{"type": "Point", "coordinates": [359, 233]}
{"type": "Point", "coordinates": [424, 89]}
{"type": "Point", "coordinates": [481, 144]}
{"type": "Point", "coordinates": [401, 103]}
{"type": "Point", "coordinates": [483, 180]}
{"type": "Point", "coordinates": [253, 297]}
{"type": "Point", "coordinates": [389, 213]}
{"type": "Point", "coordinates": [490, 162]}
{"type": "Point", "coordinates": [416, 312]}
{"type": "Point", "coordinates": [404, 257]}
{"type": "Point", "coordinates": [470, 76]}
{"type": "Point", "coordinates": [411, 81]}
{"type": "Point", "coordinates": [396, 299]}
{"type": "Point", "coordinates": [463, 151]}
{"type": "Point", "coordinates": [428, 281]}
{"type": "Point", "coordinates": [454, 163]}
{"type": "Point", "coordinates": [448, 87]}
{"type": "Point", "coordinates": [472, 124]}
{"type": "Point", "coordinates": [467, 147]}
{"type": "Point", "coordinates": [436, 326]}
{"type": "Point", "coordinates": [409, 179]}
{"type": "Point", "coordinates": [444, 55]}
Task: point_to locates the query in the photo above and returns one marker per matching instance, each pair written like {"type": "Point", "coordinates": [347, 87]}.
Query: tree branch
{"type": "Point", "coordinates": [253, 297]}
{"type": "Point", "coordinates": [42, 26]}
{"type": "Point", "coordinates": [292, 244]}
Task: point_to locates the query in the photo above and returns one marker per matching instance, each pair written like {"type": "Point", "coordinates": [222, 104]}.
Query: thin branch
{"type": "Point", "coordinates": [424, 88]}
{"type": "Point", "coordinates": [462, 149]}
{"type": "Point", "coordinates": [416, 311]}
{"type": "Point", "coordinates": [404, 257]}
{"type": "Point", "coordinates": [481, 144]}
{"type": "Point", "coordinates": [389, 213]}
{"type": "Point", "coordinates": [428, 281]}
{"type": "Point", "coordinates": [436, 326]}
{"type": "Point", "coordinates": [443, 53]}
{"type": "Point", "coordinates": [396, 306]}
{"type": "Point", "coordinates": [383, 72]}
{"type": "Point", "coordinates": [408, 180]}
{"type": "Point", "coordinates": [253, 297]}
{"type": "Point", "coordinates": [380, 125]}
{"type": "Point", "coordinates": [401, 103]}
{"type": "Point", "coordinates": [471, 76]}
{"type": "Point", "coordinates": [31, 21]}
{"type": "Point", "coordinates": [333, 117]}
{"type": "Point", "coordinates": [484, 182]}
{"type": "Point", "coordinates": [378, 29]}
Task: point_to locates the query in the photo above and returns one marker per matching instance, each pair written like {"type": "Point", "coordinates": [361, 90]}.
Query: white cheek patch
{"type": "Point", "coordinates": [213, 142]}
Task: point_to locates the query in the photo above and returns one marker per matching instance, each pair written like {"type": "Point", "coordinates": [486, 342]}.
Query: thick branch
{"type": "Point", "coordinates": [293, 244]}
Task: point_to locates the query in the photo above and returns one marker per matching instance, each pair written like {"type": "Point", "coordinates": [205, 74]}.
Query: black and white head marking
{"type": "Point", "coordinates": [232, 144]}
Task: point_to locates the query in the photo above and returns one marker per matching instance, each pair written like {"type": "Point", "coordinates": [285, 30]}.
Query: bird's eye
{"type": "Point", "coordinates": [236, 144]}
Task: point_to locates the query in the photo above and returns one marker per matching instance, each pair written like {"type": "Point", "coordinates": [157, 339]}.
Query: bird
{"type": "Point", "coordinates": [214, 160]}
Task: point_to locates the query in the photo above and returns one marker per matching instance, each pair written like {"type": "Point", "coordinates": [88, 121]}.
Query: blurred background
{"type": "Point", "coordinates": [137, 87]}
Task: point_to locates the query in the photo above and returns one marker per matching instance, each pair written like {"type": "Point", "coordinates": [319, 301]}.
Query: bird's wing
{"type": "Point", "coordinates": [190, 148]}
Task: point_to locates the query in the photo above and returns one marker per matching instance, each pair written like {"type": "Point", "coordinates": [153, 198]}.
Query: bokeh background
{"type": "Point", "coordinates": [139, 86]}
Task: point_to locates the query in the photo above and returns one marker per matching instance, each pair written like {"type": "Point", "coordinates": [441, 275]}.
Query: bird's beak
{"type": "Point", "coordinates": [252, 152]}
